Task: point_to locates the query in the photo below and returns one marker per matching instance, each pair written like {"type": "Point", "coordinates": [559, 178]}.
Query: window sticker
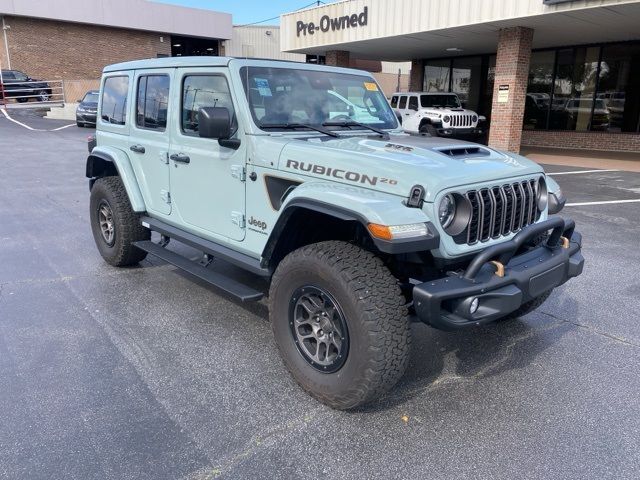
{"type": "Point", "coordinates": [263, 87]}
{"type": "Point", "coordinates": [371, 86]}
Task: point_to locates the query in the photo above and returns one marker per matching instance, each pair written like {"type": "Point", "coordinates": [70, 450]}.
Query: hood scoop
{"type": "Point", "coordinates": [463, 151]}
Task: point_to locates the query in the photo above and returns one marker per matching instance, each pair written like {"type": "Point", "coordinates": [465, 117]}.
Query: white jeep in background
{"type": "Point", "coordinates": [438, 114]}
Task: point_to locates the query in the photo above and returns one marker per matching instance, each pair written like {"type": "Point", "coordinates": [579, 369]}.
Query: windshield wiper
{"type": "Point", "coordinates": [353, 123]}
{"type": "Point", "coordinates": [293, 126]}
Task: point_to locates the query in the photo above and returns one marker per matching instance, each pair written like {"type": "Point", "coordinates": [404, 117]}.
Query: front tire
{"type": "Point", "coordinates": [430, 129]}
{"type": "Point", "coordinates": [114, 224]}
{"type": "Point", "coordinates": [340, 323]}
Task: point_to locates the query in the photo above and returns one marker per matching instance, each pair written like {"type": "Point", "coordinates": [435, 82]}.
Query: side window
{"type": "Point", "coordinates": [152, 102]}
{"type": "Point", "coordinates": [204, 91]}
{"type": "Point", "coordinates": [19, 76]}
{"type": "Point", "coordinates": [8, 75]}
{"type": "Point", "coordinates": [403, 102]}
{"type": "Point", "coordinates": [394, 101]}
{"type": "Point", "coordinates": [114, 100]}
{"type": "Point", "coordinates": [413, 102]}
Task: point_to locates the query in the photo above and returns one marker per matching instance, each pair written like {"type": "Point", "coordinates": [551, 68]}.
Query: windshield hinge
{"type": "Point", "coordinates": [239, 172]}
{"type": "Point", "coordinates": [237, 218]}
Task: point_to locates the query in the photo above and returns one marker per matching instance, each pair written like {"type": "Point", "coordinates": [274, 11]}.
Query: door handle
{"type": "Point", "coordinates": [180, 158]}
{"type": "Point", "coordinates": [137, 148]}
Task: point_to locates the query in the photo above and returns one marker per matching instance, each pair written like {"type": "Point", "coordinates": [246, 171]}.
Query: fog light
{"type": "Point", "coordinates": [473, 308]}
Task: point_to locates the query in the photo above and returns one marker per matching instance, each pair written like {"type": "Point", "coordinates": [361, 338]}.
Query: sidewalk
{"type": "Point", "coordinates": [626, 161]}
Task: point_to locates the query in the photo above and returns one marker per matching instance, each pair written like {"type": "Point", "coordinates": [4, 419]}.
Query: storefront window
{"type": "Point", "coordinates": [574, 89]}
{"type": "Point", "coordinates": [466, 79]}
{"type": "Point", "coordinates": [437, 76]}
{"type": "Point", "coordinates": [620, 64]}
{"type": "Point", "coordinates": [536, 107]}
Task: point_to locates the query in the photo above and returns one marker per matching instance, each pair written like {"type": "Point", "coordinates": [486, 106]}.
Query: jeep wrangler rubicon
{"type": "Point", "coordinates": [301, 174]}
{"type": "Point", "coordinates": [438, 114]}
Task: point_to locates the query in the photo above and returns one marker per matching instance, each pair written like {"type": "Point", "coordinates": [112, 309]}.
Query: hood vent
{"type": "Point", "coordinates": [464, 152]}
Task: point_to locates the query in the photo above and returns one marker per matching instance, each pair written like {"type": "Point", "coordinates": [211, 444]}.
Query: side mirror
{"type": "Point", "coordinates": [215, 122]}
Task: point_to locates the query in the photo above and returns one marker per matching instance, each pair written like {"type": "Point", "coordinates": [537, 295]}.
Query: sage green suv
{"type": "Point", "coordinates": [301, 174]}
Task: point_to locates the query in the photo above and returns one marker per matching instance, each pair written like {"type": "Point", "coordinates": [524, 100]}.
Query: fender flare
{"type": "Point", "coordinates": [98, 163]}
{"type": "Point", "coordinates": [430, 242]}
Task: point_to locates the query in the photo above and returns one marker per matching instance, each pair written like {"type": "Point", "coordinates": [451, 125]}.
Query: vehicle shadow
{"type": "Point", "coordinates": [441, 360]}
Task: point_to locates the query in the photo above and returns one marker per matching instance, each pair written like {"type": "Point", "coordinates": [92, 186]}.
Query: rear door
{"type": "Point", "coordinates": [149, 137]}
{"type": "Point", "coordinates": [207, 180]}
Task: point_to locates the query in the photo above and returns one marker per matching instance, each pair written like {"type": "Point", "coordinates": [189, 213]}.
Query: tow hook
{"type": "Point", "coordinates": [499, 267]}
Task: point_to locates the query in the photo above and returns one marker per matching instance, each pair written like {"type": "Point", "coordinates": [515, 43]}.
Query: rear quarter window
{"type": "Point", "coordinates": [114, 100]}
{"type": "Point", "coordinates": [394, 101]}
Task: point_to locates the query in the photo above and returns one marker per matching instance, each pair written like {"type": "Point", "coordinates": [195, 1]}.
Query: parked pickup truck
{"type": "Point", "coordinates": [301, 174]}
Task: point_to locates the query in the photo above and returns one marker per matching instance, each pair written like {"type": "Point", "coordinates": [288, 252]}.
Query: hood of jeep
{"type": "Point", "coordinates": [397, 164]}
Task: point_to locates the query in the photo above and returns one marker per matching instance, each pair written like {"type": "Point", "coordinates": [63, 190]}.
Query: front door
{"type": "Point", "coordinates": [207, 180]}
{"type": "Point", "coordinates": [149, 138]}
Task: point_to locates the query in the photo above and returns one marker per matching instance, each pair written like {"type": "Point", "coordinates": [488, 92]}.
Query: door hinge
{"type": "Point", "coordinates": [164, 157]}
{"type": "Point", "coordinates": [237, 218]}
{"type": "Point", "coordinates": [166, 196]}
{"type": "Point", "coordinates": [239, 172]}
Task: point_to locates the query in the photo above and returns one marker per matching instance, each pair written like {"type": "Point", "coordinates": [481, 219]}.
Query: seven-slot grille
{"type": "Point", "coordinates": [461, 121]}
{"type": "Point", "coordinates": [500, 210]}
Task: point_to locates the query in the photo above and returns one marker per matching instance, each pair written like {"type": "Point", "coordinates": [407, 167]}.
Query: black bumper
{"type": "Point", "coordinates": [445, 303]}
{"type": "Point", "coordinates": [86, 117]}
{"type": "Point", "coordinates": [461, 133]}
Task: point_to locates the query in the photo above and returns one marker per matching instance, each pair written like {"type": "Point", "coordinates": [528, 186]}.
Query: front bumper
{"type": "Point", "coordinates": [86, 117]}
{"type": "Point", "coordinates": [461, 133]}
{"type": "Point", "coordinates": [445, 303]}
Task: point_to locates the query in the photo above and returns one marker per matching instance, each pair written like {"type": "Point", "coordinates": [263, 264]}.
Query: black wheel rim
{"type": "Point", "coordinates": [106, 223]}
{"type": "Point", "coordinates": [318, 328]}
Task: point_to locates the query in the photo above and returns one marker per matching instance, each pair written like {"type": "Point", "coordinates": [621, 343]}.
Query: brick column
{"type": "Point", "coordinates": [416, 77]}
{"type": "Point", "coordinates": [512, 69]}
{"type": "Point", "coordinates": [337, 58]}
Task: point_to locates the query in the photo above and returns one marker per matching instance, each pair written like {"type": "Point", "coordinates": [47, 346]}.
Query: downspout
{"type": "Point", "coordinates": [6, 43]}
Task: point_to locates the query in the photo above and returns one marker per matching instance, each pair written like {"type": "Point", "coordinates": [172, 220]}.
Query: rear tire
{"type": "Point", "coordinates": [368, 312]}
{"type": "Point", "coordinates": [114, 224]}
{"type": "Point", "coordinates": [80, 124]}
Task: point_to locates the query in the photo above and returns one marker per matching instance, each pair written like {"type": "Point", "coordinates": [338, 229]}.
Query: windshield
{"type": "Point", "coordinates": [90, 98]}
{"type": "Point", "coordinates": [281, 96]}
{"type": "Point", "coordinates": [449, 101]}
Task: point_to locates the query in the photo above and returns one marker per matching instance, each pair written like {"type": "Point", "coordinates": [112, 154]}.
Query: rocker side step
{"type": "Point", "coordinates": [232, 287]}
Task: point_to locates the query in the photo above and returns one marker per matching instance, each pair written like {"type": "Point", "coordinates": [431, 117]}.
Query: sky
{"type": "Point", "coordinates": [247, 11]}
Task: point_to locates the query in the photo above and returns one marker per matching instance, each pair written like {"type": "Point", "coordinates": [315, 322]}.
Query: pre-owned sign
{"type": "Point", "coordinates": [327, 23]}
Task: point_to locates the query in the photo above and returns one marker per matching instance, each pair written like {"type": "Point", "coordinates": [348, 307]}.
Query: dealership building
{"type": "Point", "coordinates": [72, 40]}
{"type": "Point", "coordinates": [549, 73]}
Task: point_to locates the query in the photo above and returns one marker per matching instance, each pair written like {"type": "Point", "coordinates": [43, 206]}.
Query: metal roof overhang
{"type": "Point", "coordinates": [599, 24]}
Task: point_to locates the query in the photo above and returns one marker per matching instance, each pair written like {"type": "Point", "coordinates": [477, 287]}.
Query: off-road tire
{"type": "Point", "coordinates": [527, 307]}
{"type": "Point", "coordinates": [80, 124]}
{"type": "Point", "coordinates": [127, 226]}
{"type": "Point", "coordinates": [375, 312]}
{"type": "Point", "coordinates": [430, 129]}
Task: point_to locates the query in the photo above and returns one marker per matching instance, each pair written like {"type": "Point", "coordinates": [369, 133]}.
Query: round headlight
{"type": "Point", "coordinates": [446, 119]}
{"type": "Point", "coordinates": [542, 198]}
{"type": "Point", "coordinates": [474, 119]}
{"type": "Point", "coordinates": [447, 210]}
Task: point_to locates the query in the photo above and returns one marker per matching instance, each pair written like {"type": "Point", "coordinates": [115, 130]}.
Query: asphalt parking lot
{"type": "Point", "coordinates": [145, 373]}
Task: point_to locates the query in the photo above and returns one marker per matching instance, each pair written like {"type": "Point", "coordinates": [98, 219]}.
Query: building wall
{"type": "Point", "coordinates": [53, 50]}
{"type": "Point", "coordinates": [621, 142]}
{"type": "Point", "coordinates": [253, 41]}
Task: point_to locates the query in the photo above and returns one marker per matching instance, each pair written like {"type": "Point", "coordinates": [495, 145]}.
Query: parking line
{"type": "Point", "coordinates": [8, 117]}
{"type": "Point", "coordinates": [572, 172]}
{"type": "Point", "coordinates": [606, 202]}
